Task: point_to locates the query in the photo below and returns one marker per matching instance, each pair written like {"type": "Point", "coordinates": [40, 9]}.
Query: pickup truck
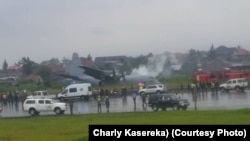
{"type": "Point", "coordinates": [41, 94]}
{"type": "Point", "coordinates": [35, 106]}
{"type": "Point", "coordinates": [165, 101]}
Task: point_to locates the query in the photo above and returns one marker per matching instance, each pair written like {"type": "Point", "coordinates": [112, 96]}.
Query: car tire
{"type": "Point", "coordinates": [155, 107]}
{"type": "Point", "coordinates": [237, 88]}
{"type": "Point", "coordinates": [58, 110]}
{"type": "Point", "coordinates": [32, 111]}
{"type": "Point", "coordinates": [62, 112]}
{"type": "Point", "coordinates": [242, 89]}
{"type": "Point", "coordinates": [224, 89]}
{"type": "Point", "coordinates": [176, 107]}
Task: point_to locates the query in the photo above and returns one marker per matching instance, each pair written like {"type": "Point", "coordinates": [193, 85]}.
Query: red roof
{"type": "Point", "coordinates": [241, 52]}
{"type": "Point", "coordinates": [14, 67]}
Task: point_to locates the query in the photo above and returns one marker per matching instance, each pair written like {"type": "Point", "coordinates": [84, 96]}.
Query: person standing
{"type": "Point", "coordinates": [99, 104]}
{"type": "Point", "coordinates": [144, 103]}
{"type": "Point", "coordinates": [71, 106]}
{"type": "Point", "coordinates": [107, 102]}
{"type": "Point", "coordinates": [134, 99]}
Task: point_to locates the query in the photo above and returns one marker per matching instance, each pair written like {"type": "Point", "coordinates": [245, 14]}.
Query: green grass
{"type": "Point", "coordinates": [75, 128]}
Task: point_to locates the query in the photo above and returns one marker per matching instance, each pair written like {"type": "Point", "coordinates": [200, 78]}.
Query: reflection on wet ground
{"type": "Point", "coordinates": [221, 100]}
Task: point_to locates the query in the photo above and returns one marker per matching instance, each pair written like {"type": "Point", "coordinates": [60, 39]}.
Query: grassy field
{"type": "Point", "coordinates": [73, 128]}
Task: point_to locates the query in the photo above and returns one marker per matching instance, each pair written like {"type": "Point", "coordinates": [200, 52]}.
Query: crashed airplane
{"type": "Point", "coordinates": [99, 77]}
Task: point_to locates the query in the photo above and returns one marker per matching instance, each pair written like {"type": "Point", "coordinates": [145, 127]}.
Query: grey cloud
{"type": "Point", "coordinates": [119, 27]}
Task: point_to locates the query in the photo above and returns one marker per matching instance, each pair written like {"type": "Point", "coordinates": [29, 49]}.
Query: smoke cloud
{"type": "Point", "coordinates": [157, 64]}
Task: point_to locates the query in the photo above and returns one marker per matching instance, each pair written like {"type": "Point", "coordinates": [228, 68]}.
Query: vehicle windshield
{"type": "Point", "coordinates": [65, 91]}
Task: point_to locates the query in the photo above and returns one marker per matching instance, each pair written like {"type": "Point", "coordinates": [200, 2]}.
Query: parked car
{"type": "Point", "coordinates": [153, 89]}
{"type": "Point", "coordinates": [165, 101]}
{"type": "Point", "coordinates": [238, 84]}
{"type": "Point", "coordinates": [35, 106]}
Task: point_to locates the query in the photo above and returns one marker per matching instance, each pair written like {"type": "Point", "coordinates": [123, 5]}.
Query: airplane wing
{"type": "Point", "coordinates": [96, 73]}
{"type": "Point", "coordinates": [70, 76]}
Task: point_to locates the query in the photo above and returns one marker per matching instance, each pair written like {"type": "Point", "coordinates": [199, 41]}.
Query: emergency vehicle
{"type": "Point", "coordinates": [203, 76]}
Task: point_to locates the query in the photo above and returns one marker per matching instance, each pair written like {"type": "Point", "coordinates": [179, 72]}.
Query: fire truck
{"type": "Point", "coordinates": [233, 74]}
{"type": "Point", "coordinates": [203, 76]}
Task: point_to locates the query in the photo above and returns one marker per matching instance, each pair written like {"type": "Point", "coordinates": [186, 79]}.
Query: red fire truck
{"type": "Point", "coordinates": [230, 74]}
{"type": "Point", "coordinates": [203, 76]}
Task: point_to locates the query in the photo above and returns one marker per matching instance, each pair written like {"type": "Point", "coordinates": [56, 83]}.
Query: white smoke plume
{"type": "Point", "coordinates": [156, 65]}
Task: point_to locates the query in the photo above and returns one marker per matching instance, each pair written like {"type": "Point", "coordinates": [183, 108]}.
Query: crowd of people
{"type": "Point", "coordinates": [102, 95]}
{"type": "Point", "coordinates": [12, 97]}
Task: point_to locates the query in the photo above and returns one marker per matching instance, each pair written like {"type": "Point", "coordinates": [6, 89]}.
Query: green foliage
{"type": "Point", "coordinates": [29, 86]}
{"type": "Point", "coordinates": [27, 65]}
{"type": "Point", "coordinates": [190, 65]}
{"type": "Point", "coordinates": [44, 72]}
{"type": "Point", "coordinates": [175, 82]}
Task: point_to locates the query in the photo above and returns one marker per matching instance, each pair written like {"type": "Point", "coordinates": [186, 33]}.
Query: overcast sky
{"type": "Point", "coordinates": [45, 29]}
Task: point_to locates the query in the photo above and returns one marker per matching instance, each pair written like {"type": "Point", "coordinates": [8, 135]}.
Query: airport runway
{"type": "Point", "coordinates": [118, 104]}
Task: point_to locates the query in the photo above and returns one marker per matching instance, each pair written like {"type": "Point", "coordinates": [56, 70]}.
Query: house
{"type": "Point", "coordinates": [223, 50]}
{"type": "Point", "coordinates": [242, 54]}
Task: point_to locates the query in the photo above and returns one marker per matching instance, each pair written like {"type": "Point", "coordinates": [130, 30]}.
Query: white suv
{"type": "Point", "coordinates": [35, 106]}
{"type": "Point", "coordinates": [150, 89]}
{"type": "Point", "coordinates": [238, 84]}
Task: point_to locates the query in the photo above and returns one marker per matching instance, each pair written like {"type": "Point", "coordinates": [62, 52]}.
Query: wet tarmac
{"type": "Point", "coordinates": [231, 100]}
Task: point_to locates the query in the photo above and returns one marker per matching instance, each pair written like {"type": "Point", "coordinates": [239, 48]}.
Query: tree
{"type": "Point", "coordinates": [5, 66]}
{"type": "Point", "coordinates": [27, 65]}
{"type": "Point", "coordinates": [212, 53]}
{"type": "Point", "coordinates": [190, 65]}
{"type": "Point", "coordinates": [44, 72]}
{"type": "Point", "coordinates": [89, 57]}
